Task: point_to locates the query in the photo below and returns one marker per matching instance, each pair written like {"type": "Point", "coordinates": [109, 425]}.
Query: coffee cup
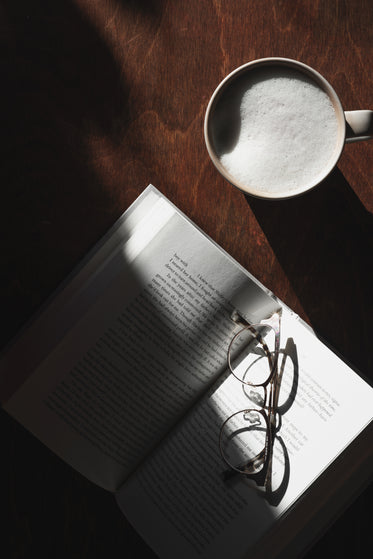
{"type": "Point", "coordinates": [275, 128]}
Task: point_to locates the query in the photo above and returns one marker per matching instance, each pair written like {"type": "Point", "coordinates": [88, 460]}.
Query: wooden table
{"type": "Point", "coordinates": [99, 98]}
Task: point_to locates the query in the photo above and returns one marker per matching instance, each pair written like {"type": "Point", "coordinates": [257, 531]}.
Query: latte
{"type": "Point", "coordinates": [275, 130]}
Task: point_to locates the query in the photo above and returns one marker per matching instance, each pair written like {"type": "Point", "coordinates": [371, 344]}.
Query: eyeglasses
{"type": "Point", "coordinates": [247, 436]}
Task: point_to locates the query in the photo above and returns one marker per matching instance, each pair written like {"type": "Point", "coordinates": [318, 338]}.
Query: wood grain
{"type": "Point", "coordinates": [98, 99]}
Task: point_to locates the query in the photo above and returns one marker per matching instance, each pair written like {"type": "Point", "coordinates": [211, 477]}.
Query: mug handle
{"type": "Point", "coordinates": [359, 125]}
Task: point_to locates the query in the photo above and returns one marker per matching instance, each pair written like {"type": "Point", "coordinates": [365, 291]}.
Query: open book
{"type": "Point", "coordinates": [124, 375]}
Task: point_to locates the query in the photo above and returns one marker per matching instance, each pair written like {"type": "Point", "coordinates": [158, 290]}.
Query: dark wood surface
{"type": "Point", "coordinates": [101, 97]}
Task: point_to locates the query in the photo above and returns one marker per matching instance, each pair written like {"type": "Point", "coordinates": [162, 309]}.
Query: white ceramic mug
{"type": "Point", "coordinates": [247, 121]}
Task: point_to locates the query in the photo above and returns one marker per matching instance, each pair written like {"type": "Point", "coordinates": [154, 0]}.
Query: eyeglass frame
{"type": "Point", "coordinates": [262, 477]}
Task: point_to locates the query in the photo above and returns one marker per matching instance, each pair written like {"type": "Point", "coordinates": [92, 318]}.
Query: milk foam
{"type": "Point", "coordinates": [286, 132]}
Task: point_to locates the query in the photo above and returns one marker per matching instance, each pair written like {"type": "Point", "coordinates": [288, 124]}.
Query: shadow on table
{"type": "Point", "coordinates": [323, 241]}
{"type": "Point", "coordinates": [62, 93]}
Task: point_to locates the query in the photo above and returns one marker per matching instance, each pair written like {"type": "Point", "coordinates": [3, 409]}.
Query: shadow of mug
{"type": "Point", "coordinates": [323, 241]}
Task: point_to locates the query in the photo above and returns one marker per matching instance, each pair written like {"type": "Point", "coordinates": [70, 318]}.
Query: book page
{"type": "Point", "coordinates": [180, 491]}
{"type": "Point", "coordinates": [152, 340]}
{"type": "Point", "coordinates": [80, 290]}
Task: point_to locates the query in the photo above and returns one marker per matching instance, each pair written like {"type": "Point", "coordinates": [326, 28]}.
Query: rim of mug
{"type": "Point", "coordinates": [315, 76]}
